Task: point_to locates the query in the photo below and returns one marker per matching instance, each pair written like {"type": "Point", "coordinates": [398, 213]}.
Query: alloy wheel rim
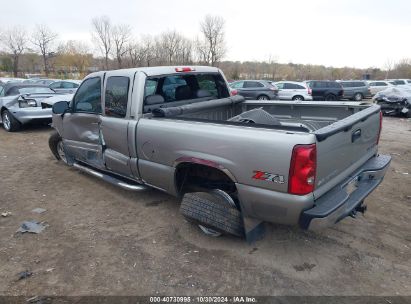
{"type": "Point", "coordinates": [6, 121]}
{"type": "Point", "coordinates": [60, 151]}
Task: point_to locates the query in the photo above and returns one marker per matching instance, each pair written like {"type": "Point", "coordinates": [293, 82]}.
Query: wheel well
{"type": "Point", "coordinates": [2, 110]}
{"type": "Point", "coordinates": [190, 177]}
{"type": "Point", "coordinates": [263, 95]}
{"type": "Point", "coordinates": [295, 96]}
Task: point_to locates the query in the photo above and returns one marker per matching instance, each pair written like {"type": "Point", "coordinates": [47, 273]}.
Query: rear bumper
{"type": "Point", "coordinates": [339, 203]}
{"type": "Point", "coordinates": [25, 115]}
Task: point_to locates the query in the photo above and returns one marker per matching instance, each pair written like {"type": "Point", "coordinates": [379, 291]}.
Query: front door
{"type": "Point", "coordinates": [81, 126]}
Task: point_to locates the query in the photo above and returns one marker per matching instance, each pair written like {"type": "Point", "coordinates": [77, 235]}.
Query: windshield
{"type": "Point", "coordinates": [32, 90]}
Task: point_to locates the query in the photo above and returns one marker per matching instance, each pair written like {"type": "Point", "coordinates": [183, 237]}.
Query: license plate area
{"type": "Point", "coordinates": [352, 185]}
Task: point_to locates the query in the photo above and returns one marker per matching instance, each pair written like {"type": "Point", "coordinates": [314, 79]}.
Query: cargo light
{"type": "Point", "coordinates": [185, 69]}
{"type": "Point", "coordinates": [303, 168]}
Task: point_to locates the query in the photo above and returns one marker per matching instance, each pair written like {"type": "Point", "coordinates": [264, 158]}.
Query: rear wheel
{"type": "Point", "coordinates": [298, 98]}
{"type": "Point", "coordinates": [214, 212]}
{"type": "Point", "coordinates": [263, 97]}
{"type": "Point", "coordinates": [10, 124]}
{"type": "Point", "coordinates": [330, 97]}
{"type": "Point", "coordinates": [358, 97]}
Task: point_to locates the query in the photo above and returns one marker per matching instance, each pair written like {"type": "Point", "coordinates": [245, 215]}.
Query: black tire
{"type": "Point", "coordinates": [357, 97]}
{"type": "Point", "coordinates": [263, 97]}
{"type": "Point", "coordinates": [298, 98]}
{"type": "Point", "coordinates": [330, 97]}
{"type": "Point", "coordinates": [10, 124]}
{"type": "Point", "coordinates": [210, 210]}
{"type": "Point", "coordinates": [54, 141]}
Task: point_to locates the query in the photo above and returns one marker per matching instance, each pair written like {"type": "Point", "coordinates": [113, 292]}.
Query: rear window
{"type": "Point", "coordinates": [180, 87]}
{"type": "Point", "coordinates": [30, 90]}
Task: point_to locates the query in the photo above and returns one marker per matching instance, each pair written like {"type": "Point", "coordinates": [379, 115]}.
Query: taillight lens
{"type": "Point", "coordinates": [233, 92]}
{"type": "Point", "coordinates": [310, 92]}
{"type": "Point", "coordinates": [379, 131]}
{"type": "Point", "coordinates": [302, 169]}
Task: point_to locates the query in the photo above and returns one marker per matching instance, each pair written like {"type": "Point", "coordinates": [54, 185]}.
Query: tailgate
{"type": "Point", "coordinates": [344, 146]}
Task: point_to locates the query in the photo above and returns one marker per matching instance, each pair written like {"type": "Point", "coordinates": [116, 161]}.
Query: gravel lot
{"type": "Point", "coordinates": [107, 241]}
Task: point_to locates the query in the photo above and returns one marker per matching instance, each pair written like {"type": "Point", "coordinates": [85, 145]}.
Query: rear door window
{"type": "Point", "coordinates": [237, 85]}
{"type": "Point", "coordinates": [253, 84]}
{"type": "Point", "coordinates": [116, 96]}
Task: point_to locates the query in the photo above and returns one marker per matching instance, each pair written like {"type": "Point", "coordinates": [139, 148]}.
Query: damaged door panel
{"type": "Point", "coordinates": [81, 126]}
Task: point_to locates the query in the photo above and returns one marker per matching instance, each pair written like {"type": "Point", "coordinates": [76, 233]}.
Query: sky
{"type": "Point", "coordinates": [355, 33]}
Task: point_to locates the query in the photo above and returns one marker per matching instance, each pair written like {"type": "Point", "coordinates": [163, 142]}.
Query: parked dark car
{"type": "Point", "coordinates": [355, 90]}
{"type": "Point", "coordinates": [255, 89]}
{"type": "Point", "coordinates": [325, 90]}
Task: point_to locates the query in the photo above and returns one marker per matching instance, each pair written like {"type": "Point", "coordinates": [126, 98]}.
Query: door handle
{"type": "Point", "coordinates": [355, 135]}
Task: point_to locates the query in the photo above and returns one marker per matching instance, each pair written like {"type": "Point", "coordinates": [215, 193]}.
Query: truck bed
{"type": "Point", "coordinates": [345, 133]}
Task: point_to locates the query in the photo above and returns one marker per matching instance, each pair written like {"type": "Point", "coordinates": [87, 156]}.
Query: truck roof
{"type": "Point", "coordinates": [160, 70]}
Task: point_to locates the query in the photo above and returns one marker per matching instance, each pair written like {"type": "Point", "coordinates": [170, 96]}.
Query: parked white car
{"type": "Point", "coordinates": [291, 90]}
{"type": "Point", "coordinates": [67, 86]}
{"type": "Point", "coordinates": [379, 85]}
{"type": "Point", "coordinates": [400, 82]}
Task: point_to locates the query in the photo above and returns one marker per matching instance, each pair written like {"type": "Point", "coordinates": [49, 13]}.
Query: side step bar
{"type": "Point", "coordinates": [110, 179]}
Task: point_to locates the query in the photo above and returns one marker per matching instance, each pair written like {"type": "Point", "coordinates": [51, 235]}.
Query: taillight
{"type": "Point", "coordinates": [302, 169]}
{"type": "Point", "coordinates": [185, 69]}
{"type": "Point", "coordinates": [310, 92]}
{"type": "Point", "coordinates": [379, 131]}
{"type": "Point", "coordinates": [233, 92]}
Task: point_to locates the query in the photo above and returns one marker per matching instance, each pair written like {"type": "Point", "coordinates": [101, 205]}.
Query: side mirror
{"type": "Point", "coordinates": [60, 107]}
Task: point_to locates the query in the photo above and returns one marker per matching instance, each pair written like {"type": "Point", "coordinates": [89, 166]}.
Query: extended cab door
{"type": "Point", "coordinates": [117, 126]}
{"type": "Point", "coordinates": [81, 131]}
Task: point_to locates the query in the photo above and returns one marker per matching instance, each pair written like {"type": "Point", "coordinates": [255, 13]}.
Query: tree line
{"type": "Point", "coordinates": [114, 46]}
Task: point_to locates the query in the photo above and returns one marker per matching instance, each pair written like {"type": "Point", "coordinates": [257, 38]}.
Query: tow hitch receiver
{"type": "Point", "coordinates": [360, 208]}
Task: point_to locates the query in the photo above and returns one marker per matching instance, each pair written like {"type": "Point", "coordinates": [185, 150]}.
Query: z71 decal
{"type": "Point", "coordinates": [271, 177]}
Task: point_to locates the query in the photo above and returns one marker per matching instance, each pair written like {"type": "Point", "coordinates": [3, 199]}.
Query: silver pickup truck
{"type": "Point", "coordinates": [235, 163]}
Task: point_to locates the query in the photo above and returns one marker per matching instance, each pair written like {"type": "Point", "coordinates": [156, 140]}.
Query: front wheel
{"type": "Point", "coordinates": [10, 124]}
{"type": "Point", "coordinates": [56, 146]}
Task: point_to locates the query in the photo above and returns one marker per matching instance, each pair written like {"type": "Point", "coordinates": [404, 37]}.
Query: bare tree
{"type": "Point", "coordinates": [388, 66]}
{"type": "Point", "coordinates": [149, 49]}
{"type": "Point", "coordinates": [212, 28]}
{"type": "Point", "coordinates": [121, 35]}
{"type": "Point", "coordinates": [102, 36]}
{"type": "Point", "coordinates": [15, 42]}
{"type": "Point", "coordinates": [170, 41]}
{"type": "Point", "coordinates": [43, 39]}
{"type": "Point", "coordinates": [75, 54]}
